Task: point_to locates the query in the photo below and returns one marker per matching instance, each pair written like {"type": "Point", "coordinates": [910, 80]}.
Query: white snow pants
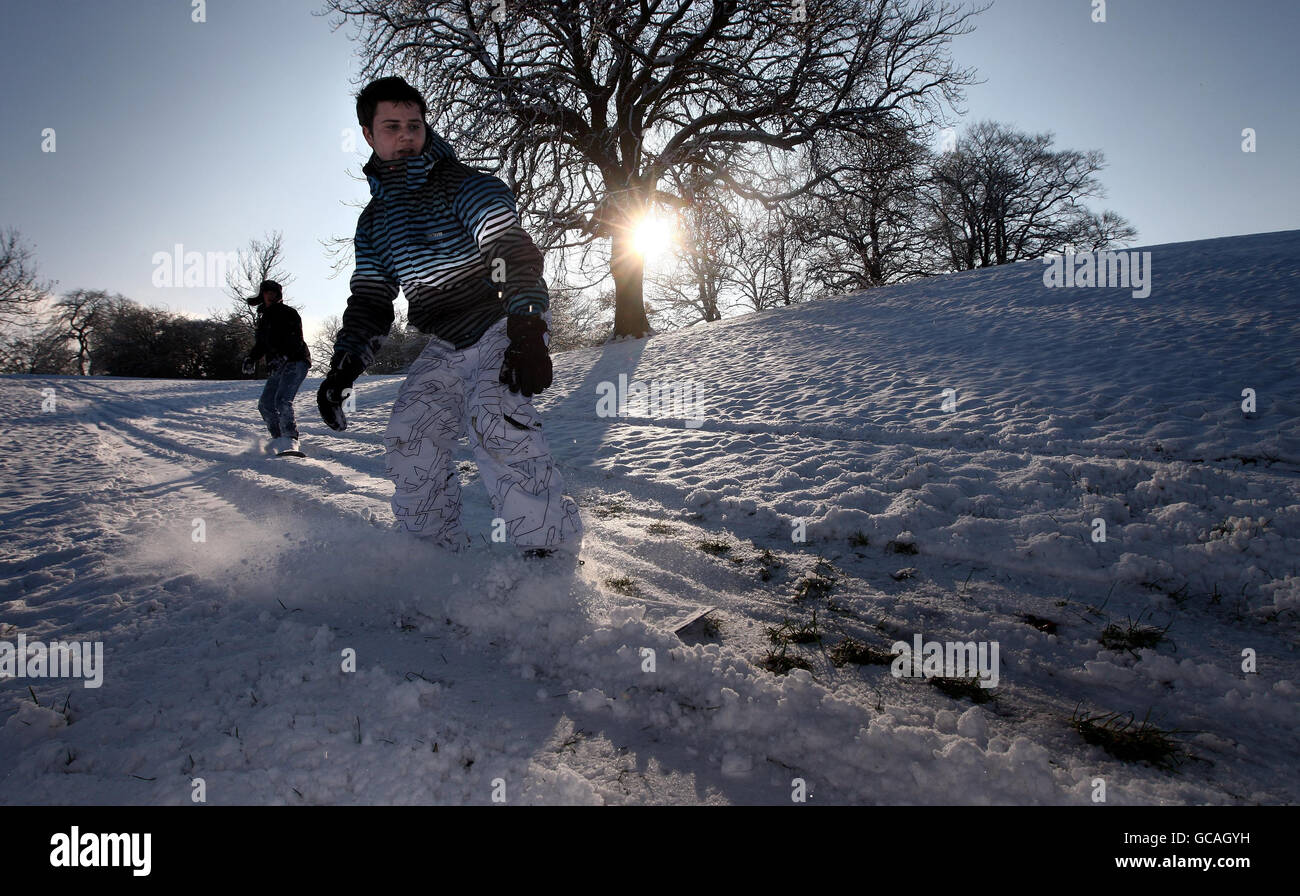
{"type": "Point", "coordinates": [449, 393]}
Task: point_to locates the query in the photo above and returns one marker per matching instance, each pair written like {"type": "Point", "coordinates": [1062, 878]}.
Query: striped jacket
{"type": "Point", "coordinates": [440, 230]}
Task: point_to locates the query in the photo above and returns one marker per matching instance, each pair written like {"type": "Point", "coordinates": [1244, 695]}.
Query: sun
{"type": "Point", "coordinates": [653, 236]}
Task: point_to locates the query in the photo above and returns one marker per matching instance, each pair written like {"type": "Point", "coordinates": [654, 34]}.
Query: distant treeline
{"type": "Point", "coordinates": [92, 332]}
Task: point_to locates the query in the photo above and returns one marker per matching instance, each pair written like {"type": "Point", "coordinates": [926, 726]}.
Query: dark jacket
{"type": "Point", "coordinates": [438, 229]}
{"type": "Point", "coordinates": [279, 335]}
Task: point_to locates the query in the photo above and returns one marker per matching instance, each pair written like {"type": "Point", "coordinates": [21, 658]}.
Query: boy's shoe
{"type": "Point", "coordinates": [276, 445]}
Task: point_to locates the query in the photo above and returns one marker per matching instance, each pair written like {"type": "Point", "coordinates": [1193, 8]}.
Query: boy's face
{"type": "Point", "coordinates": [397, 131]}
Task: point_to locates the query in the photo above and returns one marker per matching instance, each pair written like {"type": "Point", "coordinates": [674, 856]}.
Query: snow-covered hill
{"type": "Point", "coordinates": [227, 588]}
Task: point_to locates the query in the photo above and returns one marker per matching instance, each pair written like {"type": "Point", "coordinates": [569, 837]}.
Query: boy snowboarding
{"type": "Point", "coordinates": [279, 338]}
{"type": "Point", "coordinates": [449, 236]}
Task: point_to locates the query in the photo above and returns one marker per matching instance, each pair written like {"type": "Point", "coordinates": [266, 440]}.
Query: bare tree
{"type": "Point", "coordinates": [772, 256]}
{"type": "Point", "coordinates": [403, 345]}
{"type": "Point", "coordinates": [36, 350]}
{"type": "Point", "coordinates": [262, 260]}
{"type": "Point", "coordinates": [707, 228]}
{"type": "Point", "coordinates": [339, 249]}
{"type": "Point", "coordinates": [139, 341]}
{"type": "Point", "coordinates": [322, 344]}
{"type": "Point", "coordinates": [871, 225]}
{"type": "Point", "coordinates": [401, 348]}
{"type": "Point", "coordinates": [583, 106]}
{"type": "Point", "coordinates": [1105, 231]}
{"type": "Point", "coordinates": [774, 261]}
{"type": "Point", "coordinates": [577, 322]}
{"type": "Point", "coordinates": [1002, 196]}
{"type": "Point", "coordinates": [739, 253]}
{"type": "Point", "coordinates": [80, 313]}
{"type": "Point", "coordinates": [21, 289]}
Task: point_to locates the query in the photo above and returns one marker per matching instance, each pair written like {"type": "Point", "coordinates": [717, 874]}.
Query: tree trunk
{"type": "Point", "coordinates": [629, 303]}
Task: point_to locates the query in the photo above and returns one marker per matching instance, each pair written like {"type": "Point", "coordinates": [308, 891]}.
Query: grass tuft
{"type": "Point", "coordinates": [1117, 734]}
{"type": "Point", "coordinates": [767, 561]}
{"type": "Point", "coordinates": [851, 650]}
{"type": "Point", "coordinates": [623, 585]}
{"type": "Point", "coordinates": [612, 508]}
{"type": "Point", "coordinates": [1039, 622]}
{"type": "Point", "coordinates": [958, 688]}
{"type": "Point", "coordinates": [781, 662]}
{"type": "Point", "coordinates": [812, 586]}
{"type": "Point", "coordinates": [1132, 637]}
{"type": "Point", "coordinates": [709, 627]}
{"type": "Point", "coordinates": [789, 633]}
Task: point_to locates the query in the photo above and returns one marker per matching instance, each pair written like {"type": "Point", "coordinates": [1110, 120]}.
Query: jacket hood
{"type": "Point", "coordinates": [410, 173]}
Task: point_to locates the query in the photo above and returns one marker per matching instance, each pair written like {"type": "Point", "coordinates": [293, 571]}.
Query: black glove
{"type": "Point", "coordinates": [526, 366]}
{"type": "Point", "coordinates": [344, 370]}
{"type": "Point", "coordinates": [249, 367]}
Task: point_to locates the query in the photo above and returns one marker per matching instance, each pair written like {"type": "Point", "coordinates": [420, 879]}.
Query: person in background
{"type": "Point", "coordinates": [279, 340]}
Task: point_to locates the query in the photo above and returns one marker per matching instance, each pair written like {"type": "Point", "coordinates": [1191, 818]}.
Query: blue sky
{"type": "Point", "coordinates": [207, 134]}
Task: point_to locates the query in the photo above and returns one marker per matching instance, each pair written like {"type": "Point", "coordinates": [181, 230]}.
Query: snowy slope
{"type": "Point", "coordinates": [223, 655]}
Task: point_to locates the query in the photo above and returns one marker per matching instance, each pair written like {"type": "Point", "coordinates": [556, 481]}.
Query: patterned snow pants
{"type": "Point", "coordinates": [449, 393]}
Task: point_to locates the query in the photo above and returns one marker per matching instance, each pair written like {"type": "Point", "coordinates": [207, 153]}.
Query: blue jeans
{"type": "Point", "coordinates": [276, 404]}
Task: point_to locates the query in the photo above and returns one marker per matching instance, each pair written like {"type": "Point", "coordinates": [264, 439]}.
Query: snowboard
{"type": "Point", "coordinates": [291, 454]}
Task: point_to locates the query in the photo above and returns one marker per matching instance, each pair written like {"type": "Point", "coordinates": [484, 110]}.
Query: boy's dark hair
{"type": "Point", "coordinates": [393, 90]}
